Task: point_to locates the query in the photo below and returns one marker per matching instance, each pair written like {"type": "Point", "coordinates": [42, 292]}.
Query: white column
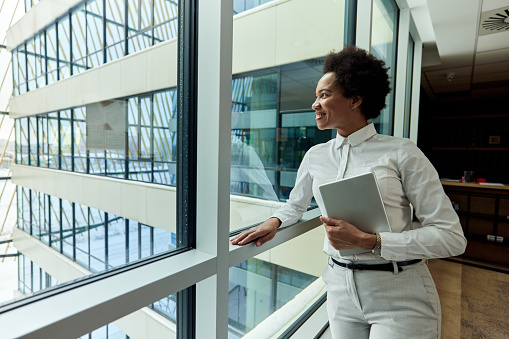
{"type": "Point", "coordinates": [416, 90]}
{"type": "Point", "coordinates": [364, 22]}
{"type": "Point", "coordinates": [215, 32]}
{"type": "Point", "coordinates": [401, 76]}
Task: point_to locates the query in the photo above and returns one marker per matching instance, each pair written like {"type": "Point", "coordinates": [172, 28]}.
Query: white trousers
{"type": "Point", "coordinates": [381, 304]}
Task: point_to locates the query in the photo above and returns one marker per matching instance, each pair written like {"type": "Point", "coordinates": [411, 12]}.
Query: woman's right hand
{"type": "Point", "coordinates": [261, 233]}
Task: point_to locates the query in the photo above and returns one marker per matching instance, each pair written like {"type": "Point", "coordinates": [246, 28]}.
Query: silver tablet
{"type": "Point", "coordinates": [356, 200]}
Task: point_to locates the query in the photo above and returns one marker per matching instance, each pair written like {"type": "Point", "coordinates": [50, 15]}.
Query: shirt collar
{"type": "Point", "coordinates": [357, 137]}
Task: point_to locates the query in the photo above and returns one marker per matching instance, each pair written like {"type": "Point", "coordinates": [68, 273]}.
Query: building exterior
{"type": "Point", "coordinates": [98, 125]}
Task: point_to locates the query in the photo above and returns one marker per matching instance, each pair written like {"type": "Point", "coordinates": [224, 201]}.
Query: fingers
{"type": "Point", "coordinates": [243, 238]}
{"type": "Point", "coordinates": [264, 239]}
{"type": "Point", "coordinates": [250, 235]}
{"type": "Point", "coordinates": [330, 221]}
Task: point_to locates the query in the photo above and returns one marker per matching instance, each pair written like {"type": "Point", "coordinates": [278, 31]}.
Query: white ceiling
{"type": "Point", "coordinates": [477, 65]}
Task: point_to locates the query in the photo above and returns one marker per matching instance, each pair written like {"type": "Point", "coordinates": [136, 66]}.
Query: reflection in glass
{"type": "Point", "coordinates": [383, 46]}
{"type": "Point", "coordinates": [259, 288]}
{"type": "Point", "coordinates": [254, 115]}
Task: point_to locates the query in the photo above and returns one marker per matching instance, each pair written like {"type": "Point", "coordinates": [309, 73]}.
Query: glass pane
{"type": "Point", "coordinates": [79, 143]}
{"type": "Point", "coordinates": [165, 20]}
{"type": "Point", "coordinates": [67, 228]}
{"type": "Point", "coordinates": [117, 254]}
{"type": "Point", "coordinates": [257, 289]}
{"type": "Point", "coordinates": [408, 90]}
{"type": "Point", "coordinates": [32, 121]}
{"type": "Point", "coordinates": [139, 23]}
{"type": "Point", "coordinates": [64, 49]}
{"type": "Point", "coordinates": [95, 41]}
{"type": "Point", "coordinates": [15, 73]}
{"type": "Point", "coordinates": [115, 33]}
{"type": "Point", "coordinates": [130, 139]}
{"type": "Point", "coordinates": [23, 141]}
{"type": "Point", "coordinates": [43, 140]}
{"type": "Point", "coordinates": [22, 67]}
{"type": "Point", "coordinates": [383, 45]}
{"type": "Point", "coordinates": [97, 236]}
{"type": "Point", "coordinates": [31, 64]}
{"type": "Point", "coordinates": [78, 40]}
{"type": "Point", "coordinates": [272, 127]}
{"type": "Point", "coordinates": [40, 60]}
{"type": "Point", "coordinates": [66, 140]}
{"type": "Point", "coordinates": [51, 54]}
{"type": "Point", "coordinates": [82, 231]}
{"type": "Point", "coordinates": [35, 214]}
{"type": "Point", "coordinates": [53, 140]}
{"type": "Point", "coordinates": [55, 220]}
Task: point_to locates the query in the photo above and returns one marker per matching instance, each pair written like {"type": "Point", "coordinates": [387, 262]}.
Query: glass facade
{"type": "Point", "coordinates": [76, 140]}
{"type": "Point", "coordinates": [95, 239]}
{"type": "Point", "coordinates": [92, 33]}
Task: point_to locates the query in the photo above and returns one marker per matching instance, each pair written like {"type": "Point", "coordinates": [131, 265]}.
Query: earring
{"type": "Point", "coordinates": [352, 107]}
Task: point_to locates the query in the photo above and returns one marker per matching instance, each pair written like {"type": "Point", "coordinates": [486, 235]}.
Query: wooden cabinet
{"type": "Point", "coordinates": [483, 212]}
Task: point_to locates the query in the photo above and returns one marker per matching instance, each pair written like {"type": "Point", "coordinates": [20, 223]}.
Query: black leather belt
{"type": "Point", "coordinates": [377, 267]}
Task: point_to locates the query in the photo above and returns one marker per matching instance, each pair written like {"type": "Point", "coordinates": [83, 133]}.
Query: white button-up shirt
{"type": "Point", "coordinates": [405, 177]}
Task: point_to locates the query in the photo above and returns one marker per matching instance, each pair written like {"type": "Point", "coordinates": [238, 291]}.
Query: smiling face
{"type": "Point", "coordinates": [333, 110]}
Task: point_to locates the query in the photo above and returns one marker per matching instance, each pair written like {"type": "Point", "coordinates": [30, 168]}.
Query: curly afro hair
{"type": "Point", "coordinates": [359, 73]}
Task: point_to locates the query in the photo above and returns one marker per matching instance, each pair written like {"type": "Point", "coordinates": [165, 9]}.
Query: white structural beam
{"type": "Point", "coordinates": [364, 23]}
{"type": "Point", "coordinates": [139, 325]}
{"type": "Point", "coordinates": [401, 76]}
{"type": "Point", "coordinates": [215, 34]}
{"type": "Point", "coordinates": [39, 16]}
{"type": "Point", "coordinates": [80, 309]}
{"type": "Point", "coordinates": [416, 90]}
{"type": "Point", "coordinates": [77, 310]}
{"type": "Point", "coordinates": [134, 200]}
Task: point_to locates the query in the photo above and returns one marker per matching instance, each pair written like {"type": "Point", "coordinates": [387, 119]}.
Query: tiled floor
{"type": "Point", "coordinates": [475, 300]}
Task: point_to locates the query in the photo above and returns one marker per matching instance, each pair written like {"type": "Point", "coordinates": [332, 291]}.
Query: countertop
{"type": "Point", "coordinates": [475, 185]}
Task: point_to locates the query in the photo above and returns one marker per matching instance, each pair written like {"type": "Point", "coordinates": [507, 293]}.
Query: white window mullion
{"type": "Point", "coordinates": [416, 90]}
{"type": "Point", "coordinates": [215, 32]}
{"type": "Point", "coordinates": [401, 76]}
{"type": "Point", "coordinates": [364, 22]}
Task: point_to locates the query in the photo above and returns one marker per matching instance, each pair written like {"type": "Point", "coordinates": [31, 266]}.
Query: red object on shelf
{"type": "Point", "coordinates": [481, 180]}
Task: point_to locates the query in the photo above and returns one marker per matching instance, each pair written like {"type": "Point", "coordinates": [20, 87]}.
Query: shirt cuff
{"type": "Point", "coordinates": [394, 246]}
{"type": "Point", "coordinates": [285, 221]}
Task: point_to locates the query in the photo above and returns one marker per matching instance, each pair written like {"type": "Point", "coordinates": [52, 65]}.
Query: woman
{"type": "Point", "coordinates": [393, 295]}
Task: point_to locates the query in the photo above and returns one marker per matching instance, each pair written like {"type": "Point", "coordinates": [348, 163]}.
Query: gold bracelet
{"type": "Point", "coordinates": [378, 244]}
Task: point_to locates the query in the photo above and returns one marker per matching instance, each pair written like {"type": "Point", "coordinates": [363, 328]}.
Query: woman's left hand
{"type": "Point", "coordinates": [343, 235]}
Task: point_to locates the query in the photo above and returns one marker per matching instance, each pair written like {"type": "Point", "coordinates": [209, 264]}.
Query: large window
{"type": "Point", "coordinates": [141, 143]}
